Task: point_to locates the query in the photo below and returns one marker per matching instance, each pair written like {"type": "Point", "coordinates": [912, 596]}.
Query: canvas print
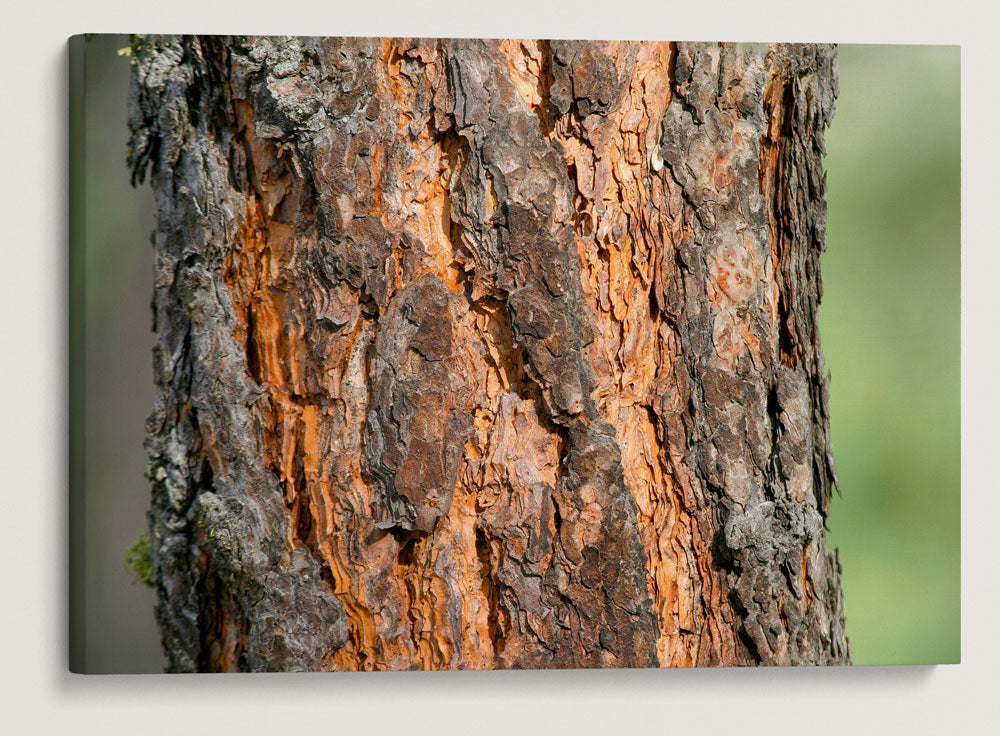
{"type": "Point", "coordinates": [506, 354]}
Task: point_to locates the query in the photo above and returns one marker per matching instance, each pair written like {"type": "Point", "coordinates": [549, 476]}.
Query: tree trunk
{"type": "Point", "coordinates": [488, 354]}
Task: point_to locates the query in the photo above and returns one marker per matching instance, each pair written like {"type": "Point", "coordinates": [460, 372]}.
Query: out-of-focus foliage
{"type": "Point", "coordinates": [139, 560]}
{"type": "Point", "coordinates": [890, 322]}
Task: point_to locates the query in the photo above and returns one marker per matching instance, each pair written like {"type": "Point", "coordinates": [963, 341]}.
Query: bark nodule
{"type": "Point", "coordinates": [487, 354]}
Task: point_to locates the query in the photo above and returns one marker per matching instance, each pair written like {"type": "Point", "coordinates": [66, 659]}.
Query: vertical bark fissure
{"type": "Point", "coordinates": [541, 289]}
{"type": "Point", "coordinates": [612, 97]}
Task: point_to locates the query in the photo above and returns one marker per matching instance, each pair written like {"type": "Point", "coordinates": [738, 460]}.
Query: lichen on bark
{"type": "Point", "coordinates": [479, 354]}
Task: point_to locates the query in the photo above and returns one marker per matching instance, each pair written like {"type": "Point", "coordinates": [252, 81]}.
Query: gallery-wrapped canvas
{"type": "Point", "coordinates": [485, 354]}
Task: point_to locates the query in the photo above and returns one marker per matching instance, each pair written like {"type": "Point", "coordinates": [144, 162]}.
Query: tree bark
{"type": "Point", "coordinates": [488, 354]}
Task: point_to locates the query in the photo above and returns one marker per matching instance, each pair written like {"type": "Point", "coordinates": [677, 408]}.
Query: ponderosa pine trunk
{"type": "Point", "coordinates": [488, 354]}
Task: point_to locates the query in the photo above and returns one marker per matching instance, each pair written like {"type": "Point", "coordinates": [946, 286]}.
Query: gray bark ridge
{"type": "Point", "coordinates": [763, 462]}
{"type": "Point", "coordinates": [229, 504]}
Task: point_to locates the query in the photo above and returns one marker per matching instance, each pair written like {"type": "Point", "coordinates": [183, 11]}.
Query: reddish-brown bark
{"type": "Point", "coordinates": [480, 354]}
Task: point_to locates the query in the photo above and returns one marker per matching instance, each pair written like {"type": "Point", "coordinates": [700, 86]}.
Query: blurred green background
{"type": "Point", "coordinates": [890, 322]}
{"type": "Point", "coordinates": [890, 326]}
{"type": "Point", "coordinates": [111, 618]}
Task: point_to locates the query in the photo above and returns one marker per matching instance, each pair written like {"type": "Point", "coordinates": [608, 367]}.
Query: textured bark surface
{"type": "Point", "coordinates": [479, 354]}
